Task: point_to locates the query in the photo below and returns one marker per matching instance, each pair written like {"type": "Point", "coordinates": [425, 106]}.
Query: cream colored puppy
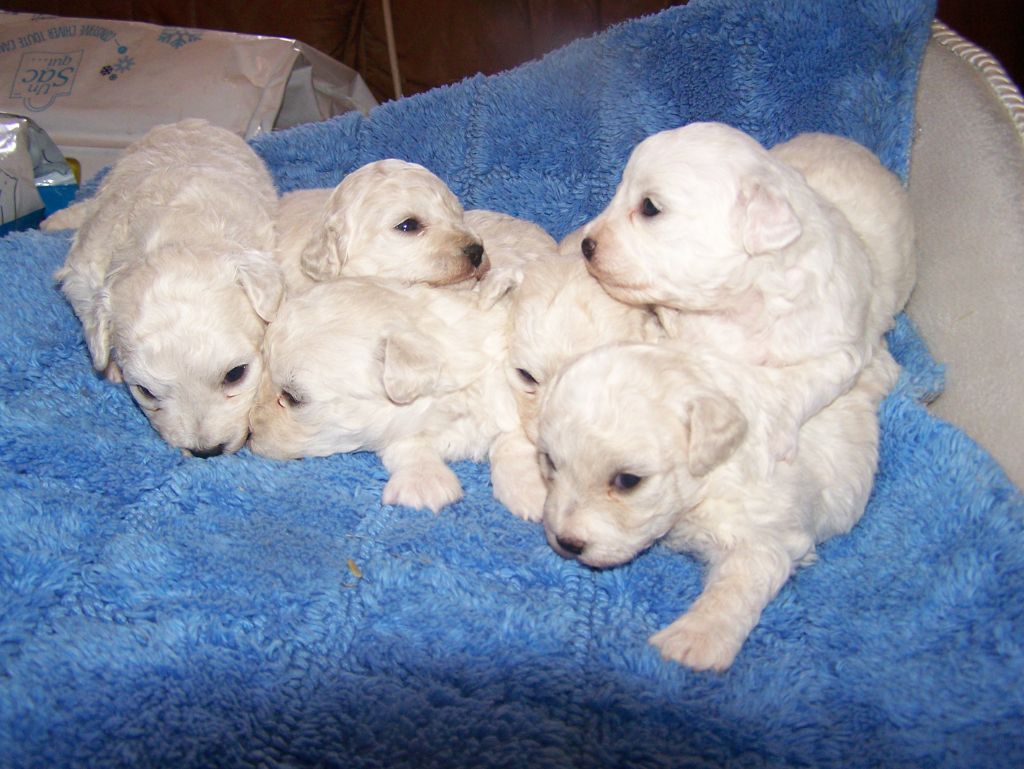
{"type": "Point", "coordinates": [644, 444]}
{"type": "Point", "coordinates": [172, 275]}
{"type": "Point", "coordinates": [874, 202]}
{"type": "Point", "coordinates": [396, 220]}
{"type": "Point", "coordinates": [741, 256]}
{"type": "Point", "coordinates": [558, 312]}
{"type": "Point", "coordinates": [409, 372]}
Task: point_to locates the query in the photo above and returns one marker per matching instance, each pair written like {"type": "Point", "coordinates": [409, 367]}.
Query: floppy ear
{"type": "Point", "coordinates": [716, 428]}
{"type": "Point", "coordinates": [326, 253]}
{"type": "Point", "coordinates": [769, 222]}
{"type": "Point", "coordinates": [412, 367]}
{"type": "Point", "coordinates": [91, 303]}
{"type": "Point", "coordinates": [263, 282]}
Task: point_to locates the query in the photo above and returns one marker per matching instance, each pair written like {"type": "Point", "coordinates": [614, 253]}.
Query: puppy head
{"type": "Point", "coordinates": [350, 365]}
{"type": "Point", "coordinates": [185, 330]}
{"type": "Point", "coordinates": [700, 213]}
{"type": "Point", "coordinates": [396, 220]}
{"type": "Point", "coordinates": [559, 312]}
{"type": "Point", "coordinates": [628, 436]}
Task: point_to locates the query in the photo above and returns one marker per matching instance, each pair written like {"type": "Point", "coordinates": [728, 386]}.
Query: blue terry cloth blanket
{"type": "Point", "coordinates": [162, 610]}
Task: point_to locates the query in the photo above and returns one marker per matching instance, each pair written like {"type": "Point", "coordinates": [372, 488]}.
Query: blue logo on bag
{"type": "Point", "coordinates": [42, 77]}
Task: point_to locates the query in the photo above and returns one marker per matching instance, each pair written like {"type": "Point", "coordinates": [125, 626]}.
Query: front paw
{"type": "Point", "coordinates": [784, 439]}
{"type": "Point", "coordinates": [699, 642]}
{"type": "Point", "coordinates": [430, 487]}
{"type": "Point", "coordinates": [520, 487]}
{"type": "Point", "coordinates": [498, 282]}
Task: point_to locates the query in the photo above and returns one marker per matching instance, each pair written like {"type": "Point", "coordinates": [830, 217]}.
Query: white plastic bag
{"type": "Point", "coordinates": [96, 86]}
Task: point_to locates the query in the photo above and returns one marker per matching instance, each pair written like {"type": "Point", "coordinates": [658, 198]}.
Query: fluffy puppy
{"type": "Point", "coordinates": [643, 443]}
{"type": "Point", "coordinates": [396, 220]}
{"type": "Point", "coordinates": [874, 202]}
{"type": "Point", "coordinates": [740, 255]}
{"type": "Point", "coordinates": [409, 372]}
{"type": "Point", "coordinates": [172, 275]}
{"type": "Point", "coordinates": [557, 313]}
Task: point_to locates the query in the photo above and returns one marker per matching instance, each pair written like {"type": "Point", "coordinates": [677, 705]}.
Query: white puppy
{"type": "Point", "coordinates": [643, 444]}
{"type": "Point", "coordinates": [409, 372]}
{"type": "Point", "coordinates": [172, 276]}
{"type": "Point", "coordinates": [874, 202]}
{"type": "Point", "coordinates": [743, 257]}
{"type": "Point", "coordinates": [558, 312]}
{"type": "Point", "coordinates": [396, 220]}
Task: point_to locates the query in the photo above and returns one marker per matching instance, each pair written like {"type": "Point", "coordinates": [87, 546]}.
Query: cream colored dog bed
{"type": "Point", "coordinates": [967, 188]}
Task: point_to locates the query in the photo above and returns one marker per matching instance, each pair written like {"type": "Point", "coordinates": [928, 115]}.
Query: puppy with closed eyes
{"type": "Point", "coordinates": [740, 255]}
{"type": "Point", "coordinates": [557, 313]}
{"type": "Point", "coordinates": [644, 444]}
{"type": "Point", "coordinates": [396, 220]}
{"type": "Point", "coordinates": [409, 372]}
{"type": "Point", "coordinates": [172, 275]}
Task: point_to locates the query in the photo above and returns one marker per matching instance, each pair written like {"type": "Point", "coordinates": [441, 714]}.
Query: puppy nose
{"type": "Point", "coordinates": [589, 248]}
{"type": "Point", "coordinates": [573, 547]}
{"type": "Point", "coordinates": [214, 451]}
{"type": "Point", "coordinates": [475, 252]}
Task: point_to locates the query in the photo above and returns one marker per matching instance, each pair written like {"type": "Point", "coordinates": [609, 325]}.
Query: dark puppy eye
{"type": "Point", "coordinates": [235, 375]}
{"type": "Point", "coordinates": [409, 225]}
{"type": "Point", "coordinates": [647, 208]}
{"type": "Point", "coordinates": [547, 465]}
{"type": "Point", "coordinates": [288, 399]}
{"type": "Point", "coordinates": [144, 392]}
{"type": "Point", "coordinates": [626, 481]}
{"type": "Point", "coordinates": [526, 376]}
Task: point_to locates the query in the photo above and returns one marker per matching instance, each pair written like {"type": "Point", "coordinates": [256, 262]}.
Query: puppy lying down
{"type": "Point", "coordinates": [557, 313]}
{"type": "Point", "coordinates": [742, 256]}
{"type": "Point", "coordinates": [409, 372]}
{"type": "Point", "coordinates": [644, 444]}
{"type": "Point", "coordinates": [171, 273]}
{"type": "Point", "coordinates": [396, 220]}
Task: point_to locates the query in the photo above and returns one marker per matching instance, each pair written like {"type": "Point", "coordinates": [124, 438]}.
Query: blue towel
{"type": "Point", "coordinates": [162, 610]}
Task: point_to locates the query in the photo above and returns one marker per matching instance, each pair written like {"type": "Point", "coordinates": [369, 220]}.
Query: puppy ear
{"type": "Point", "coordinates": [769, 222]}
{"type": "Point", "coordinates": [263, 282]}
{"type": "Point", "coordinates": [326, 253]}
{"type": "Point", "coordinates": [412, 367]}
{"type": "Point", "coordinates": [716, 428]}
{"type": "Point", "coordinates": [91, 303]}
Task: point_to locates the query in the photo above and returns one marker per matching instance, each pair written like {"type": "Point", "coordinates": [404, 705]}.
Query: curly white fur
{"type": "Point", "coordinates": [743, 257]}
{"type": "Point", "coordinates": [645, 443]}
{"type": "Point", "coordinates": [172, 276]}
{"type": "Point", "coordinates": [409, 372]}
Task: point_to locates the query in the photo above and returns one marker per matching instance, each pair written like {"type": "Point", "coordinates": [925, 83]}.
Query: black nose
{"type": "Point", "coordinates": [589, 248]}
{"type": "Point", "coordinates": [215, 451]}
{"type": "Point", "coordinates": [572, 546]}
{"type": "Point", "coordinates": [475, 252]}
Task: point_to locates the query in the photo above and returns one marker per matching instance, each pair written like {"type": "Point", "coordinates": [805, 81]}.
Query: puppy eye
{"type": "Point", "coordinates": [409, 225]}
{"type": "Point", "coordinates": [547, 465]}
{"type": "Point", "coordinates": [647, 208]}
{"type": "Point", "coordinates": [526, 376]}
{"type": "Point", "coordinates": [626, 481]}
{"type": "Point", "coordinates": [144, 392]}
{"type": "Point", "coordinates": [235, 375]}
{"type": "Point", "coordinates": [288, 399]}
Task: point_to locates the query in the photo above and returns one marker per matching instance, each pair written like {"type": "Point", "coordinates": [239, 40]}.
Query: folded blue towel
{"type": "Point", "coordinates": [162, 610]}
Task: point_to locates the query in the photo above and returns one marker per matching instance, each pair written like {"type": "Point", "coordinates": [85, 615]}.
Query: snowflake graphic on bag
{"type": "Point", "coordinates": [177, 38]}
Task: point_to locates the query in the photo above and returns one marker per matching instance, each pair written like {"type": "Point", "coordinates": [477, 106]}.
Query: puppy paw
{"type": "Point", "coordinates": [699, 642]}
{"type": "Point", "coordinates": [429, 487]}
{"type": "Point", "coordinates": [498, 282]}
{"type": "Point", "coordinates": [521, 490]}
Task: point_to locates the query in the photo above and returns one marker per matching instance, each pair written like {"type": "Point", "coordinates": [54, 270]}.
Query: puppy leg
{"type": "Point", "coordinates": [419, 477]}
{"type": "Point", "coordinates": [515, 475]}
{"type": "Point", "coordinates": [810, 387]}
{"type": "Point", "coordinates": [739, 586]}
